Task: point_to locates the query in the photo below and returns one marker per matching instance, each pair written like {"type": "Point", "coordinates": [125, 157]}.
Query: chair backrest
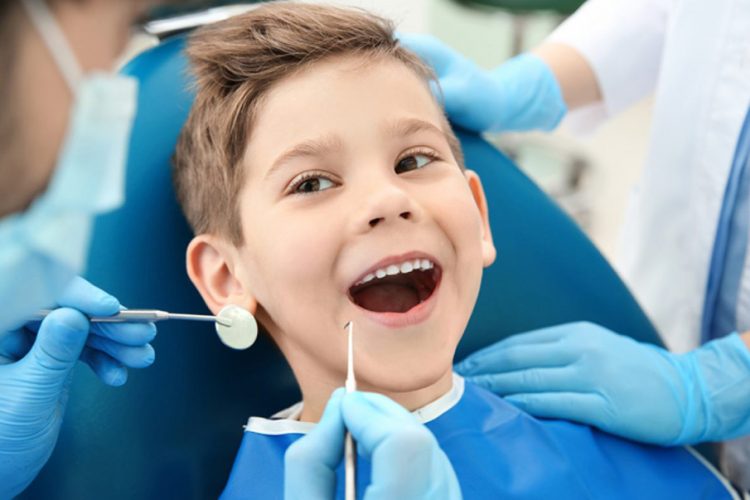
{"type": "Point", "coordinates": [173, 429]}
{"type": "Point", "coordinates": [563, 7]}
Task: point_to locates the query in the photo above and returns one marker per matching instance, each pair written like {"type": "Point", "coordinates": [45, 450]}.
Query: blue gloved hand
{"type": "Point", "coordinates": [407, 461]}
{"type": "Point", "coordinates": [36, 363]}
{"type": "Point", "coordinates": [586, 373]}
{"type": "Point", "coordinates": [521, 94]}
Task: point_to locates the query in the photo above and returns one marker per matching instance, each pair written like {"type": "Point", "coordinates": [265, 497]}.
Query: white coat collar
{"type": "Point", "coordinates": [285, 421]}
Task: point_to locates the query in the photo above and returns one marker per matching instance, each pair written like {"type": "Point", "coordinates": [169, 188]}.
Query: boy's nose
{"type": "Point", "coordinates": [383, 206]}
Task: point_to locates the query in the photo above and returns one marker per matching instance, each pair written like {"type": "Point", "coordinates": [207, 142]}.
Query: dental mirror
{"type": "Point", "coordinates": [241, 329]}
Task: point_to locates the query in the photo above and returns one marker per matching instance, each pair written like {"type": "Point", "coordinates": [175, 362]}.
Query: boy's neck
{"type": "Point", "coordinates": [316, 397]}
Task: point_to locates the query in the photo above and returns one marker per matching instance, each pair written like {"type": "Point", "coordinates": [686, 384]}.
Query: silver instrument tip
{"type": "Point", "coordinates": [351, 382]}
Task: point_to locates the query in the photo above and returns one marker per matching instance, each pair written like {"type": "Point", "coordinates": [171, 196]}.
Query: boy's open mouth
{"type": "Point", "coordinates": [396, 288]}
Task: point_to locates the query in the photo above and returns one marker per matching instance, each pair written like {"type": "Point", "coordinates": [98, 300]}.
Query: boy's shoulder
{"type": "Point", "coordinates": [498, 450]}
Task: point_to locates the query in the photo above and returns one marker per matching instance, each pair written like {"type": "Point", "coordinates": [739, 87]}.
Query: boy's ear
{"type": "Point", "coordinates": [211, 265]}
{"type": "Point", "coordinates": [488, 247]}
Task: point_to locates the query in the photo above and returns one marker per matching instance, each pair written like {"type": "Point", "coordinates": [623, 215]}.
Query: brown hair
{"type": "Point", "coordinates": [235, 62]}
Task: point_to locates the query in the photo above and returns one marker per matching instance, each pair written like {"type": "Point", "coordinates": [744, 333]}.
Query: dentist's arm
{"type": "Point", "coordinates": [586, 373]}
{"type": "Point", "coordinates": [406, 459]}
{"type": "Point", "coordinates": [36, 363]}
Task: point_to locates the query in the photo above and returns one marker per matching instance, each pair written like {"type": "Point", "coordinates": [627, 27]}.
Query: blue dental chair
{"type": "Point", "coordinates": [172, 431]}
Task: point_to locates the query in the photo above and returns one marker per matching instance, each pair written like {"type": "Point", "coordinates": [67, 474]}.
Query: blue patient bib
{"type": "Point", "coordinates": [498, 451]}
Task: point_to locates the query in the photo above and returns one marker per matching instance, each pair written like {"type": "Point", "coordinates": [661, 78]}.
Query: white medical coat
{"type": "Point", "coordinates": [695, 56]}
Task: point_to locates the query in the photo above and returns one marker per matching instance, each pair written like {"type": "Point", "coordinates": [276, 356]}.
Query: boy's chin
{"type": "Point", "coordinates": [413, 386]}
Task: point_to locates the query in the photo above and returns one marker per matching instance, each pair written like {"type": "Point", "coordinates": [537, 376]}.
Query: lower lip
{"type": "Point", "coordinates": [413, 316]}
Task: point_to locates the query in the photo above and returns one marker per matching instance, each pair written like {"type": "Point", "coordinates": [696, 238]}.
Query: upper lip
{"type": "Point", "coordinates": [394, 259]}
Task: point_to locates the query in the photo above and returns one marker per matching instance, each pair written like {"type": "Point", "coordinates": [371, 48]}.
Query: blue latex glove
{"type": "Point", "coordinates": [407, 461]}
{"type": "Point", "coordinates": [521, 94]}
{"type": "Point", "coordinates": [586, 373]}
{"type": "Point", "coordinates": [36, 363]}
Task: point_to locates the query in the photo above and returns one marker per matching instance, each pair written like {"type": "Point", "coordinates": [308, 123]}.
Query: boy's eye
{"type": "Point", "coordinates": [312, 184]}
{"type": "Point", "coordinates": [413, 162]}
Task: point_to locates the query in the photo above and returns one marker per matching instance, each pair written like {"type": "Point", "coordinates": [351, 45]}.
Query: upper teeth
{"type": "Point", "coordinates": [403, 268]}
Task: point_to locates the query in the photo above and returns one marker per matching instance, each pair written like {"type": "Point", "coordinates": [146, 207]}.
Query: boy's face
{"type": "Point", "coordinates": [348, 172]}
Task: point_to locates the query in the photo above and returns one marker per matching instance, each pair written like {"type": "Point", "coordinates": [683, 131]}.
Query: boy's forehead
{"type": "Point", "coordinates": [341, 98]}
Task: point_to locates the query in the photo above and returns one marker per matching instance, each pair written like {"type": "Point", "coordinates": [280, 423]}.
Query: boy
{"type": "Point", "coordinates": [325, 186]}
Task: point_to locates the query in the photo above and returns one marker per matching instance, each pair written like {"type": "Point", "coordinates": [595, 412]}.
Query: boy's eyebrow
{"type": "Point", "coordinates": [313, 147]}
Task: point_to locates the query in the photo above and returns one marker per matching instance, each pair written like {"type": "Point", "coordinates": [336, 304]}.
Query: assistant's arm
{"type": "Point", "coordinates": [603, 58]}
{"type": "Point", "coordinates": [579, 86]}
{"type": "Point", "coordinates": [621, 43]}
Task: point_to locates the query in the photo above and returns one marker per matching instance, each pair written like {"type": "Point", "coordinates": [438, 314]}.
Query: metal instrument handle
{"type": "Point", "coordinates": [144, 316]}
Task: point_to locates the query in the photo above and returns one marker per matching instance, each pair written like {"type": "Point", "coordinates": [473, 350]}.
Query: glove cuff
{"type": "Point", "coordinates": [719, 399]}
{"type": "Point", "coordinates": [697, 407]}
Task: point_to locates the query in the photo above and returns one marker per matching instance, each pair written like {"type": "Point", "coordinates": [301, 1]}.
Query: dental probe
{"type": "Point", "coordinates": [350, 447]}
{"type": "Point", "coordinates": [145, 316]}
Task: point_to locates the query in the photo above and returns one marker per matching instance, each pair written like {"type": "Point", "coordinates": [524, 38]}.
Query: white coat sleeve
{"type": "Point", "coordinates": [623, 41]}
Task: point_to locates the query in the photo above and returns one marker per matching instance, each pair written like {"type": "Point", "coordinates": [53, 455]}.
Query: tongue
{"type": "Point", "coordinates": [387, 297]}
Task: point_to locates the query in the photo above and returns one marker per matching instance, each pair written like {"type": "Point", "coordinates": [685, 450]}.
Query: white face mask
{"type": "Point", "coordinates": [43, 248]}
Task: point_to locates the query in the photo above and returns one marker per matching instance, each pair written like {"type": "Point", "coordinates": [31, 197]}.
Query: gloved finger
{"type": "Point", "coordinates": [15, 345]}
{"type": "Point", "coordinates": [59, 342]}
{"type": "Point", "coordinates": [130, 334]}
{"type": "Point", "coordinates": [65, 391]}
{"type": "Point", "coordinates": [587, 408]}
{"type": "Point", "coordinates": [310, 463]}
{"type": "Point", "coordinates": [431, 50]}
{"type": "Point", "coordinates": [518, 357]}
{"type": "Point", "coordinates": [542, 336]}
{"type": "Point", "coordinates": [371, 418]}
{"type": "Point", "coordinates": [437, 93]}
{"type": "Point", "coordinates": [565, 379]}
{"type": "Point", "coordinates": [127, 333]}
{"type": "Point", "coordinates": [374, 419]}
{"type": "Point", "coordinates": [455, 94]}
{"type": "Point", "coordinates": [403, 451]}
{"type": "Point", "coordinates": [130, 356]}
{"type": "Point", "coordinates": [88, 299]}
{"type": "Point", "coordinates": [109, 370]}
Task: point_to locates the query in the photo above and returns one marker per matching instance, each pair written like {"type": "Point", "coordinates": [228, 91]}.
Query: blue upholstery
{"type": "Point", "coordinates": [173, 430]}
